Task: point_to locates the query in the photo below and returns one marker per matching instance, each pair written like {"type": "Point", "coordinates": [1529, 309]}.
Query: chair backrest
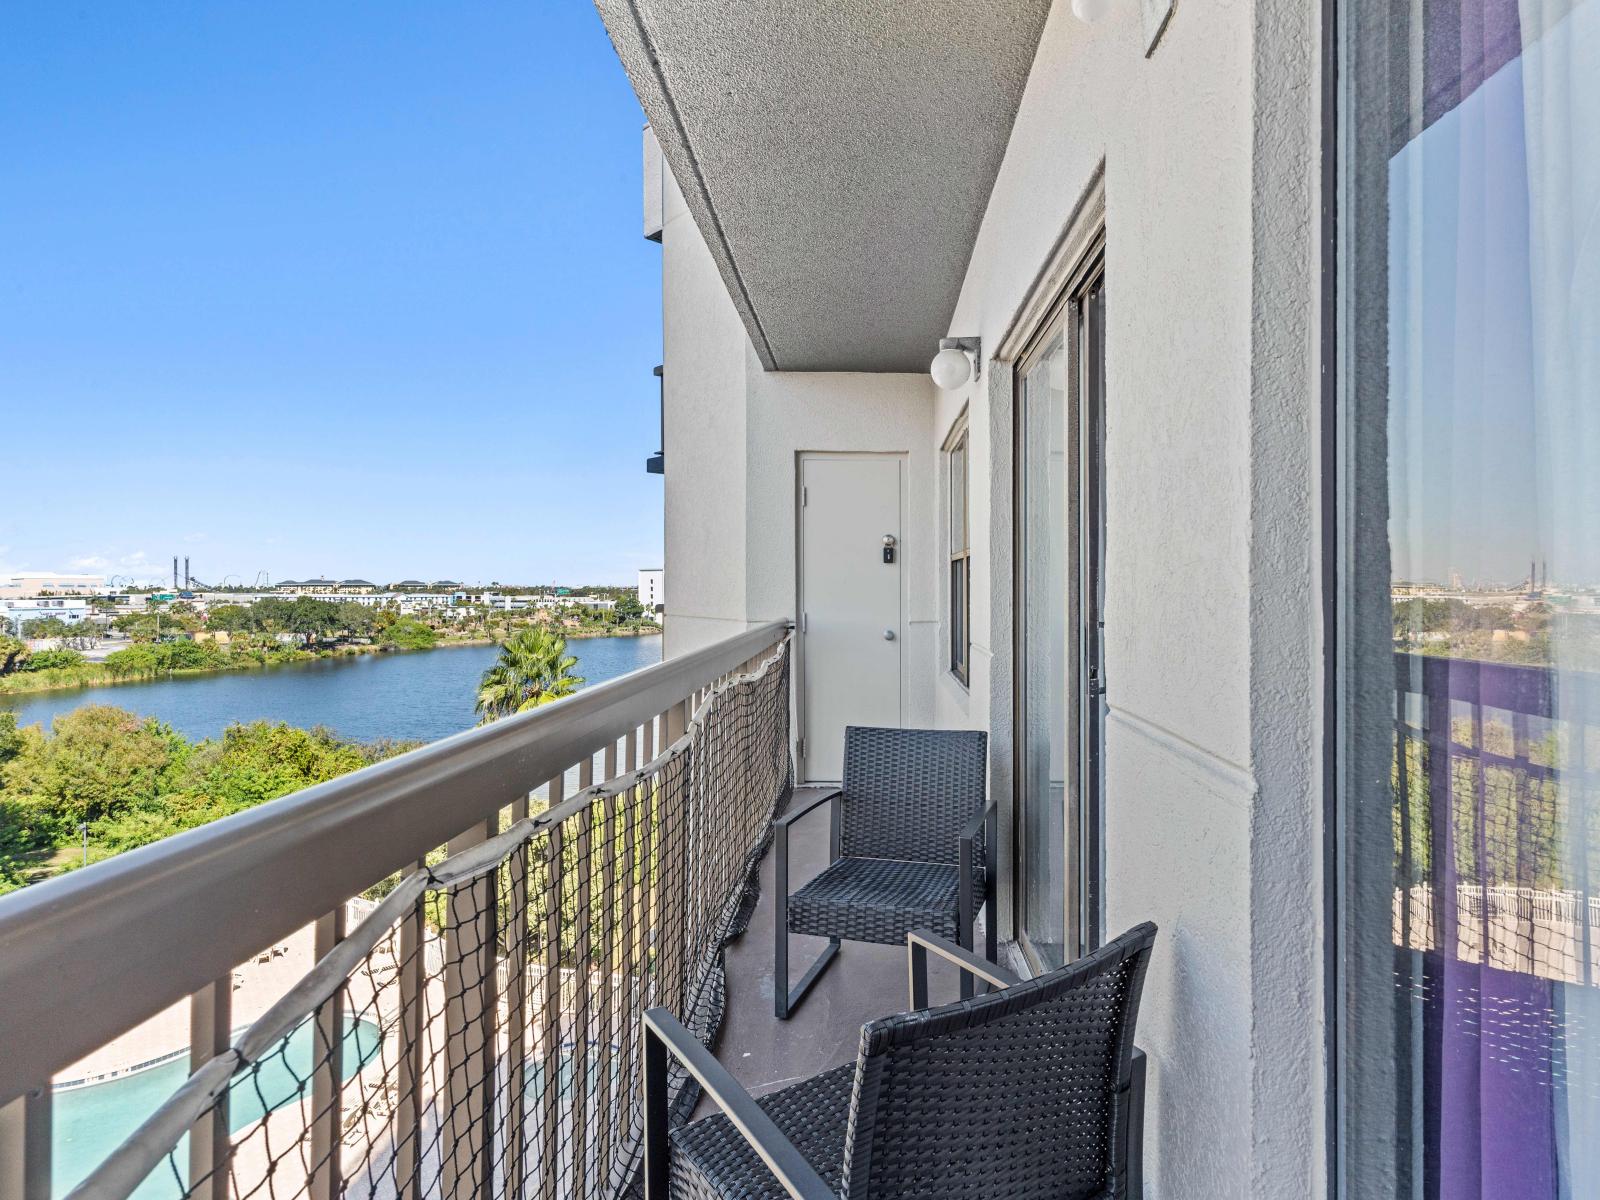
{"type": "Point", "coordinates": [1021, 1093]}
{"type": "Point", "coordinates": [909, 792]}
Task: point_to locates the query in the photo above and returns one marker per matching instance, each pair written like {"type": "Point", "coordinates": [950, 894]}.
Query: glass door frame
{"type": "Point", "coordinates": [1083, 848]}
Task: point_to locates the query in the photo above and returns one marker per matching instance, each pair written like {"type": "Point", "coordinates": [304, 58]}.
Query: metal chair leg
{"type": "Point", "coordinates": [785, 999]}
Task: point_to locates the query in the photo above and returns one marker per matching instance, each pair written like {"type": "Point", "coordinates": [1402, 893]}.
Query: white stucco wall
{"type": "Point", "coordinates": [703, 437]}
{"type": "Point", "coordinates": [1209, 151]}
{"type": "Point", "coordinates": [1212, 813]}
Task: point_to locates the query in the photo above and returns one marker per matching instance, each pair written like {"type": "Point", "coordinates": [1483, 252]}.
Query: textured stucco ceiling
{"type": "Point", "coordinates": [836, 154]}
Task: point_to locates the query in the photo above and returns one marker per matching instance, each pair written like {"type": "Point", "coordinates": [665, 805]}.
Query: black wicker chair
{"type": "Point", "coordinates": [1031, 1091]}
{"type": "Point", "coordinates": [909, 832]}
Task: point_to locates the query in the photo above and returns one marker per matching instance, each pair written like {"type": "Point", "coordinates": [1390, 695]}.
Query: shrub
{"type": "Point", "coordinates": [45, 660]}
{"type": "Point", "coordinates": [408, 633]}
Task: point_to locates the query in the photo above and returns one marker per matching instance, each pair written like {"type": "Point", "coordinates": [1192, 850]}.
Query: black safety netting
{"type": "Point", "coordinates": [477, 1035]}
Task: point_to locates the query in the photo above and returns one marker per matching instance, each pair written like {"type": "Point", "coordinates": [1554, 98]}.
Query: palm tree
{"type": "Point", "coordinates": [534, 668]}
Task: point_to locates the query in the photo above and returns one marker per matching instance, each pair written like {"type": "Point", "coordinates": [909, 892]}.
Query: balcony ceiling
{"type": "Point", "coordinates": [837, 157]}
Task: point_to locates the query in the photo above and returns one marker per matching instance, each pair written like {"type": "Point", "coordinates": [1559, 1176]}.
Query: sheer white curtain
{"type": "Point", "coordinates": [1561, 112]}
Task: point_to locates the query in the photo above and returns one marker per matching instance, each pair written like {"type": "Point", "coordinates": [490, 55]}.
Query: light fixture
{"type": "Point", "coordinates": [1090, 11]}
{"type": "Point", "coordinates": [958, 360]}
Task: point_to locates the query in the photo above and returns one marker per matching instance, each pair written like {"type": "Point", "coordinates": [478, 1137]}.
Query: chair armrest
{"type": "Point", "coordinates": [798, 811]}
{"type": "Point", "coordinates": [664, 1035]}
{"type": "Point", "coordinates": [919, 942]}
{"type": "Point", "coordinates": [973, 829]}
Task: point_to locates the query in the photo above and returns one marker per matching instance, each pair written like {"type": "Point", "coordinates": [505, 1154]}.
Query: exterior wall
{"type": "Point", "coordinates": [703, 436]}
{"type": "Point", "coordinates": [734, 432]}
{"type": "Point", "coordinates": [1209, 154]}
{"type": "Point", "coordinates": [44, 583]}
{"type": "Point", "coordinates": [1209, 150]}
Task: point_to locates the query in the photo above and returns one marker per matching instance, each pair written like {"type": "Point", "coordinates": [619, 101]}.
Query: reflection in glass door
{"type": "Point", "coordinates": [1060, 677]}
{"type": "Point", "coordinates": [1469, 600]}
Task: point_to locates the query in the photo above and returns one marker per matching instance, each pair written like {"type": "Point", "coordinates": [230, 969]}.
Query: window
{"type": "Point", "coordinates": [960, 559]}
{"type": "Point", "coordinates": [1467, 707]}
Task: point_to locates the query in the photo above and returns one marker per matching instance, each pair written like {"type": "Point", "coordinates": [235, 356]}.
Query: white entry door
{"type": "Point", "coordinates": [851, 605]}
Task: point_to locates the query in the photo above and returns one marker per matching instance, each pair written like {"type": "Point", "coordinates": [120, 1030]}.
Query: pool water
{"type": "Point", "coordinates": [89, 1122]}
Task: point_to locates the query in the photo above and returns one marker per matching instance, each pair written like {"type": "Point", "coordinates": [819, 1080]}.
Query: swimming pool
{"type": "Point", "coordinates": [91, 1121]}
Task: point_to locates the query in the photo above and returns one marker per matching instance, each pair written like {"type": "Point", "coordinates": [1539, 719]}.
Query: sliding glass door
{"type": "Point", "coordinates": [1468, 668]}
{"type": "Point", "coordinates": [1060, 674]}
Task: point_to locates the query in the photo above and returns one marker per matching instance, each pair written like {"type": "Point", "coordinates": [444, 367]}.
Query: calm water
{"type": "Point", "coordinates": [422, 695]}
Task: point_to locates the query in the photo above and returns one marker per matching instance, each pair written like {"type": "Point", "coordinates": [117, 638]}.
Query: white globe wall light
{"type": "Point", "coordinates": [958, 360]}
{"type": "Point", "coordinates": [1090, 11]}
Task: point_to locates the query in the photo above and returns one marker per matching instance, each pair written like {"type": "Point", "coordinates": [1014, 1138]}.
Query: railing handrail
{"type": "Point", "coordinates": [86, 956]}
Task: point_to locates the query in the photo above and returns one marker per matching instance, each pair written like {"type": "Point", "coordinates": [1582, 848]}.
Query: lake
{"type": "Point", "coordinates": [420, 695]}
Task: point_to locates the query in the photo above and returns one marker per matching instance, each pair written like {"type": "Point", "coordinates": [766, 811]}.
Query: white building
{"type": "Point", "coordinates": [652, 589]}
{"type": "Point", "coordinates": [16, 613]}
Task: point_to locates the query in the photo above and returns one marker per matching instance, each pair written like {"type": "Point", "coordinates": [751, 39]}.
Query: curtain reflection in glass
{"type": "Point", "coordinates": [1481, 690]}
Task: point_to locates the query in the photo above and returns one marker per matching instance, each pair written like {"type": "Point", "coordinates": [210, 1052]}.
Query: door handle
{"type": "Point", "coordinates": [888, 635]}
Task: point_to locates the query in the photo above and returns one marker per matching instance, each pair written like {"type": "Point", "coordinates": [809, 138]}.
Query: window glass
{"type": "Point", "coordinates": [1469, 599]}
{"type": "Point", "coordinates": [1044, 670]}
{"type": "Point", "coordinates": [958, 496]}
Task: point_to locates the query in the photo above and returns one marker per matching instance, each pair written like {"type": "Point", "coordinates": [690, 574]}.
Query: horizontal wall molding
{"type": "Point", "coordinates": [1230, 776]}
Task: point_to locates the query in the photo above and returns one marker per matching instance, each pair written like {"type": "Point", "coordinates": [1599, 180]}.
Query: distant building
{"type": "Point", "coordinates": [357, 586]}
{"type": "Point", "coordinates": [55, 583]}
{"type": "Point", "coordinates": [653, 589]}
{"type": "Point", "coordinates": [314, 587]}
{"type": "Point", "coordinates": [15, 613]}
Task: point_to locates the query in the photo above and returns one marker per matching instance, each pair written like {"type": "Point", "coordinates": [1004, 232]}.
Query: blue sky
{"type": "Point", "coordinates": [353, 289]}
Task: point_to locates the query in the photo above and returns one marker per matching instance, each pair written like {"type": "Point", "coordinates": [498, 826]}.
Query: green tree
{"type": "Point", "coordinates": [135, 661]}
{"type": "Point", "coordinates": [408, 633]}
{"type": "Point", "coordinates": [355, 619]}
{"type": "Point", "coordinates": [628, 607]}
{"type": "Point", "coordinates": [14, 654]}
{"type": "Point", "coordinates": [313, 619]}
{"type": "Point", "coordinates": [533, 669]}
{"type": "Point", "coordinates": [98, 759]}
{"type": "Point", "coordinates": [142, 626]}
{"type": "Point", "coordinates": [50, 627]}
{"type": "Point", "coordinates": [230, 618]}
{"type": "Point", "coordinates": [44, 660]}
{"type": "Point", "coordinates": [271, 614]}
{"type": "Point", "coordinates": [11, 739]}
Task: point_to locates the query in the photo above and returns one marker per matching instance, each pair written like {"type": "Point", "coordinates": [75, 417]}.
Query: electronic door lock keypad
{"type": "Point", "coordinates": [888, 547]}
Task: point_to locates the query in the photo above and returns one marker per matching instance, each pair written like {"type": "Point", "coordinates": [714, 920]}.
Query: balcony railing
{"type": "Point", "coordinates": [473, 1031]}
{"type": "Point", "coordinates": [1493, 779]}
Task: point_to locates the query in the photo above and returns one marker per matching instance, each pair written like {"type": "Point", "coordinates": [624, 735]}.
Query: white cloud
{"type": "Point", "coordinates": [89, 562]}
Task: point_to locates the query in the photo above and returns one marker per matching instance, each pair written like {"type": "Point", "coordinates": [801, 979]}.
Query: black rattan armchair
{"type": "Point", "coordinates": [909, 838]}
{"type": "Point", "coordinates": [1031, 1091]}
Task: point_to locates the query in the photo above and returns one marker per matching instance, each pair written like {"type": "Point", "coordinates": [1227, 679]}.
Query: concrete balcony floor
{"type": "Point", "coordinates": [865, 981]}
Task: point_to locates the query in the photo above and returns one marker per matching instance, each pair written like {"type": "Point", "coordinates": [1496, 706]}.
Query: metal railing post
{"type": "Point", "coordinates": [25, 1161]}
{"type": "Point", "coordinates": [470, 1017]}
{"type": "Point", "coordinates": [210, 1028]}
{"type": "Point", "coordinates": [582, 983]}
{"type": "Point", "coordinates": [410, 1073]}
{"type": "Point", "coordinates": [327, 1082]}
{"type": "Point", "coordinates": [550, 1011]}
